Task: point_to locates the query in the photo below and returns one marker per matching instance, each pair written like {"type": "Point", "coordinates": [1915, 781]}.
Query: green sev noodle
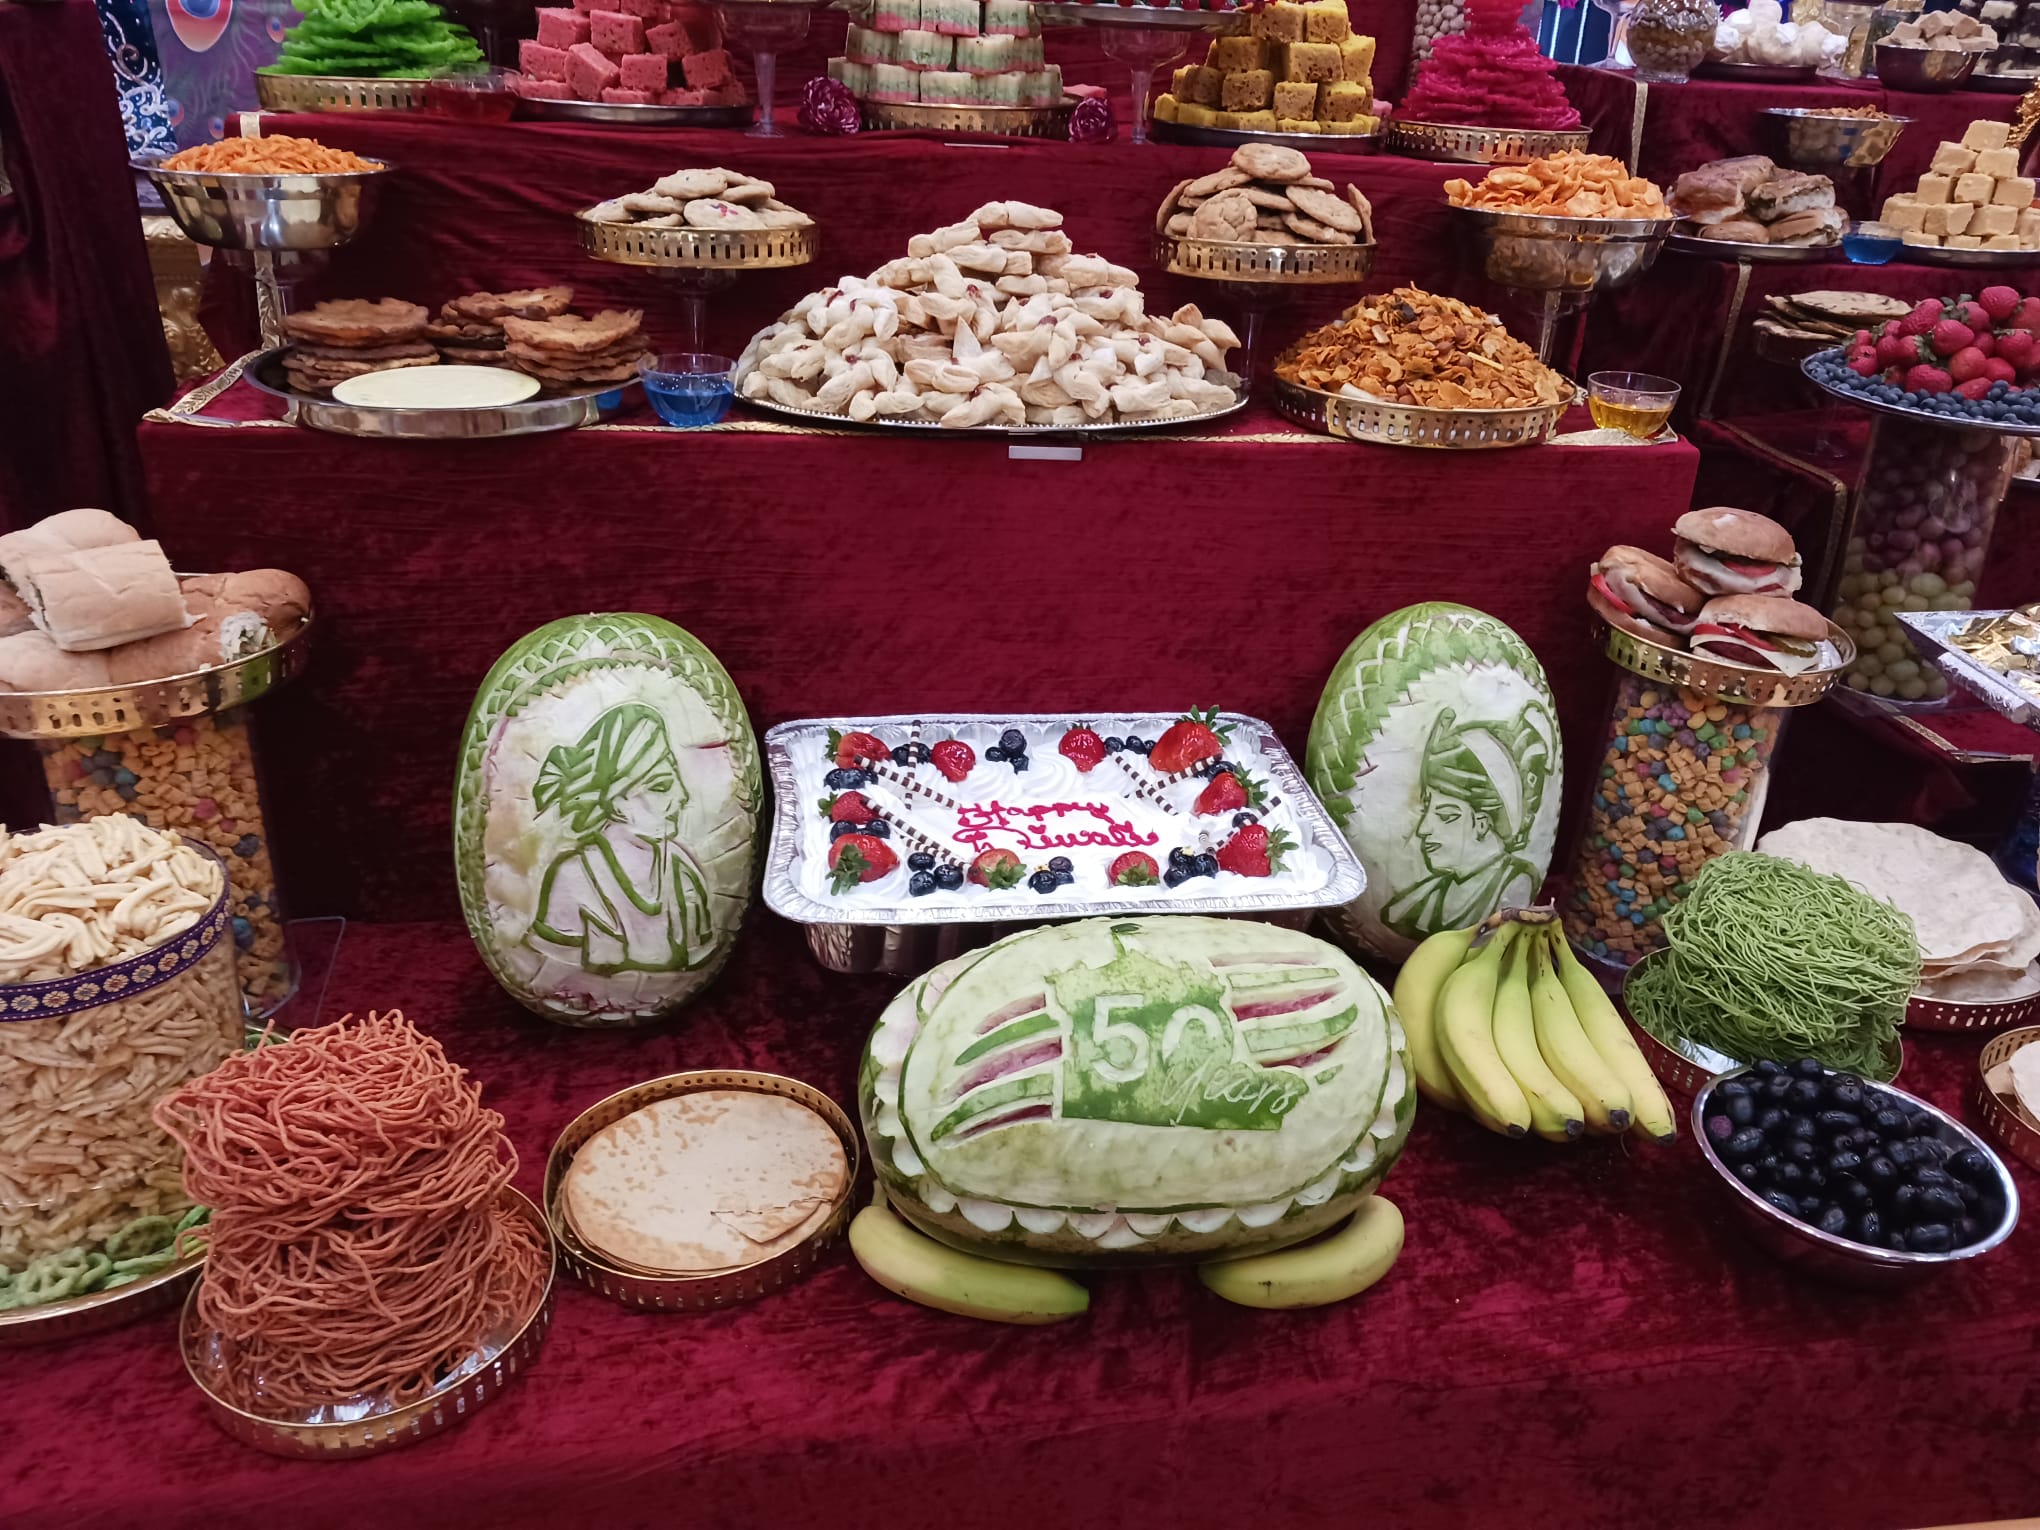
{"type": "Point", "coordinates": [1767, 959]}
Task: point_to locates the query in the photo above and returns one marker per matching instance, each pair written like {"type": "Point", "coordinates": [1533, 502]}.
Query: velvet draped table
{"type": "Point", "coordinates": [81, 348]}
{"type": "Point", "coordinates": [1573, 1336]}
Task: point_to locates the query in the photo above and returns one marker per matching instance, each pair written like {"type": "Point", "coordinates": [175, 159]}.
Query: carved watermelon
{"type": "Point", "coordinates": [605, 819]}
{"type": "Point", "coordinates": [1121, 1090]}
{"type": "Point", "coordinates": [1436, 749]}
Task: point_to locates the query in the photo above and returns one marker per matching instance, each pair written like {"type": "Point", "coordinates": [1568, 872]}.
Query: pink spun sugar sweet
{"type": "Point", "coordinates": [1490, 76]}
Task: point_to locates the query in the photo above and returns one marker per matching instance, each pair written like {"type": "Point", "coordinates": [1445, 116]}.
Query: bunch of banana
{"type": "Point", "coordinates": [1506, 1026]}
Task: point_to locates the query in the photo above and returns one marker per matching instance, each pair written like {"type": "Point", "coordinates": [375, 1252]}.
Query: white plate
{"type": "Point", "coordinates": [437, 387]}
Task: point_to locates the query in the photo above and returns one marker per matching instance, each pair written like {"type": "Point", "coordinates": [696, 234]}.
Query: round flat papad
{"type": "Point", "coordinates": [705, 1182]}
{"type": "Point", "coordinates": [439, 387]}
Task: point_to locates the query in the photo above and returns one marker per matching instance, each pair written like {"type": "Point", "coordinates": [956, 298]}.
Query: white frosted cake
{"type": "Point", "coordinates": [1142, 810]}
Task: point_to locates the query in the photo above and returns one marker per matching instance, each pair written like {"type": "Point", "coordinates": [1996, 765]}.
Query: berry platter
{"type": "Point", "coordinates": [899, 841]}
{"type": "Point", "coordinates": [1825, 369]}
{"type": "Point", "coordinates": [1963, 361]}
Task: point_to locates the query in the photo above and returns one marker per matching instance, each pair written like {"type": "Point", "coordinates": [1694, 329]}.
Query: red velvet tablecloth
{"type": "Point", "coordinates": [1574, 1336]}
{"type": "Point", "coordinates": [868, 572]}
{"type": "Point", "coordinates": [1666, 130]}
{"type": "Point", "coordinates": [81, 347]}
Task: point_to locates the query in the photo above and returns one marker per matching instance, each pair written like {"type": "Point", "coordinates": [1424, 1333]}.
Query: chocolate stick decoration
{"type": "Point", "coordinates": [1147, 791]}
{"type": "Point", "coordinates": [914, 836]}
{"type": "Point", "coordinates": [906, 783]}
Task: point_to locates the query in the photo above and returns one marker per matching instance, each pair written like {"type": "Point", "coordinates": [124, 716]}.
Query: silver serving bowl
{"type": "Point", "coordinates": [1532, 252]}
{"type": "Point", "coordinates": [1923, 69]}
{"type": "Point", "coordinates": [268, 212]}
{"type": "Point", "coordinates": [1810, 139]}
{"type": "Point", "coordinates": [1823, 1255]}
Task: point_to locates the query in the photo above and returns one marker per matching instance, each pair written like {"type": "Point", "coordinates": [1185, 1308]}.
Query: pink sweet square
{"type": "Point", "coordinates": [544, 90]}
{"type": "Point", "coordinates": [669, 39]}
{"type": "Point", "coordinates": [631, 97]}
{"type": "Point", "coordinates": [731, 94]}
{"type": "Point", "coordinates": [561, 29]}
{"type": "Point", "coordinates": [589, 72]}
{"type": "Point", "coordinates": [645, 10]}
{"type": "Point", "coordinates": [541, 62]}
{"type": "Point", "coordinates": [705, 71]}
{"type": "Point", "coordinates": [681, 98]}
{"type": "Point", "coordinates": [644, 71]}
{"type": "Point", "coordinates": [617, 34]}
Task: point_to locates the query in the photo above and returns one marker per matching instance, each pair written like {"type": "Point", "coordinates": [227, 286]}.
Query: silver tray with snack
{"type": "Point", "coordinates": [1761, 254]}
{"type": "Point", "coordinates": [547, 410]}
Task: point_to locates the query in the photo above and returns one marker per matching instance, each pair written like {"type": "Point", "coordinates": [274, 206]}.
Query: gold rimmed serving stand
{"type": "Point", "coordinates": [698, 260]}
{"type": "Point", "coordinates": [1258, 277]}
{"type": "Point", "coordinates": [337, 93]}
{"type": "Point", "coordinates": [973, 121]}
{"type": "Point", "coordinates": [1479, 145]}
{"type": "Point", "coordinates": [1389, 424]}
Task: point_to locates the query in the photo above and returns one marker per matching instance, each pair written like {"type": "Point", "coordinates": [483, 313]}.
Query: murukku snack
{"type": "Point", "coordinates": [279, 154]}
{"type": "Point", "coordinates": [80, 1157]}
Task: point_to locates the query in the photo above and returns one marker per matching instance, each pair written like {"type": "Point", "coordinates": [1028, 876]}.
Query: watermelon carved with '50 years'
{"type": "Point", "coordinates": [1121, 1090]}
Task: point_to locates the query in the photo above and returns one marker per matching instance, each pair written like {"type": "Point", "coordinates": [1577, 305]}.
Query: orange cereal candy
{"type": "Point", "coordinates": [1414, 347]}
{"type": "Point", "coordinates": [1568, 185]}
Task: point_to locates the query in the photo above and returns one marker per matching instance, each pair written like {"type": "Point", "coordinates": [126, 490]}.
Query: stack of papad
{"type": "Point", "coordinates": [703, 1183]}
{"type": "Point", "coordinates": [1979, 934]}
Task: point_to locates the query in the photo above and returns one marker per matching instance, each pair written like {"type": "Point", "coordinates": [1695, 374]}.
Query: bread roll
{"type": "Point", "coordinates": [14, 613]}
{"type": "Point", "coordinates": [66, 531]}
{"type": "Point", "coordinates": [98, 597]}
{"type": "Point", "coordinates": [233, 616]}
{"type": "Point", "coordinates": [29, 661]}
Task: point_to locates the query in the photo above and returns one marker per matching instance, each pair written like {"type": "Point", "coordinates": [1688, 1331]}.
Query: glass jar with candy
{"type": "Point", "coordinates": [1683, 770]}
{"type": "Point", "coordinates": [1667, 38]}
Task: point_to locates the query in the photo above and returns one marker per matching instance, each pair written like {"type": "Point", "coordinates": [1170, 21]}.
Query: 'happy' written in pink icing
{"type": "Point", "coordinates": [1042, 827]}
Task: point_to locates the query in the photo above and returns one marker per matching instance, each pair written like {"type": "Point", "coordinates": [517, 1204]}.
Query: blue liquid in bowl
{"type": "Point", "coordinates": [1870, 249]}
{"type": "Point", "coordinates": [689, 401]}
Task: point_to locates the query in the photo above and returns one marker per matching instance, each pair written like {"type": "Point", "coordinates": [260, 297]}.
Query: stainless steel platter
{"type": "Point", "coordinates": [1536, 252]}
{"type": "Point", "coordinates": [1756, 74]}
{"type": "Point", "coordinates": [1168, 17]}
{"type": "Point", "coordinates": [1990, 260]}
{"type": "Point", "coordinates": [1812, 139]}
{"type": "Point", "coordinates": [784, 895]}
{"type": "Point", "coordinates": [1045, 432]}
{"type": "Point", "coordinates": [1931, 631]}
{"type": "Point", "coordinates": [548, 411]}
{"type": "Point", "coordinates": [2002, 84]}
{"type": "Point", "coordinates": [1906, 411]}
{"type": "Point", "coordinates": [267, 212]}
{"type": "Point", "coordinates": [1766, 254]}
{"type": "Point", "coordinates": [1232, 138]}
{"type": "Point", "coordinates": [618, 114]}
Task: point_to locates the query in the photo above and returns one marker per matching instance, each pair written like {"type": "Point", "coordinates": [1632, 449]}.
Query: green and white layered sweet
{"type": "Point", "coordinates": [1435, 748]}
{"type": "Point", "coordinates": [1125, 1090]}
{"type": "Point", "coordinates": [605, 819]}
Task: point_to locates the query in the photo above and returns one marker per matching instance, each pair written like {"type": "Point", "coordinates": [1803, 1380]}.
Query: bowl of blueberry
{"type": "Point", "coordinates": [1850, 1180]}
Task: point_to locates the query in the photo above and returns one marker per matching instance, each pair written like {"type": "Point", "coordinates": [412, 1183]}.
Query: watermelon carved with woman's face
{"type": "Point", "coordinates": [1436, 749]}
{"type": "Point", "coordinates": [605, 819]}
{"type": "Point", "coordinates": [1116, 1091]}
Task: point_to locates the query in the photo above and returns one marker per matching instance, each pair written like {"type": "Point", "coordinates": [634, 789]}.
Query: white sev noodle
{"type": "Point", "coordinates": [79, 1156]}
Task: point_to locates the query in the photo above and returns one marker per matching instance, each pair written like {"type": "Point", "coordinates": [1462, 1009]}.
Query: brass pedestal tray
{"type": "Point", "coordinates": [628, 114]}
{"type": "Point", "coordinates": [1387, 424]}
{"type": "Point", "coordinates": [1923, 1012]}
{"type": "Point", "coordinates": [2002, 1121]}
{"type": "Point", "coordinates": [973, 121]}
{"type": "Point", "coordinates": [1732, 682]}
{"type": "Point", "coordinates": [1479, 145]}
{"type": "Point", "coordinates": [635, 1287]}
{"type": "Point", "coordinates": [367, 1428]}
{"type": "Point", "coordinates": [154, 703]}
{"type": "Point", "coordinates": [698, 260]}
{"type": "Point", "coordinates": [77, 1316]}
{"type": "Point", "coordinates": [1256, 276]}
{"type": "Point", "coordinates": [336, 93]}
{"type": "Point", "coordinates": [1051, 433]}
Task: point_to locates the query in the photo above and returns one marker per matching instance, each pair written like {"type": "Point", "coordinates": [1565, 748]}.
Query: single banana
{"type": "Point", "coordinates": [909, 1263]}
{"type": "Point", "coordinates": [1564, 1044]}
{"type": "Point", "coordinates": [1555, 1114]}
{"type": "Point", "coordinates": [1329, 1270]}
{"type": "Point", "coordinates": [1648, 1107]}
{"type": "Point", "coordinates": [1416, 1000]}
{"type": "Point", "coordinates": [1466, 1038]}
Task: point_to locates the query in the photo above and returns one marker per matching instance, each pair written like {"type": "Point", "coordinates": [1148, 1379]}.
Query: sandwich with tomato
{"type": "Point", "coordinates": [1640, 593]}
{"type": "Point", "coordinates": [1721, 551]}
{"type": "Point", "coordinates": [1760, 632]}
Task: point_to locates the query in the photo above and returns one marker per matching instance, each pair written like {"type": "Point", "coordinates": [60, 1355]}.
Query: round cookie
{"type": "Point", "coordinates": [1219, 180]}
{"type": "Point", "coordinates": [1229, 216]}
{"type": "Point", "coordinates": [1270, 162]}
{"type": "Point", "coordinates": [1332, 211]}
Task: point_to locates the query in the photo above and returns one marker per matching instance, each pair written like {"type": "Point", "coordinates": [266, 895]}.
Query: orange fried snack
{"type": "Point", "coordinates": [279, 155]}
{"type": "Point", "coordinates": [1568, 185]}
{"type": "Point", "coordinates": [1410, 346]}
